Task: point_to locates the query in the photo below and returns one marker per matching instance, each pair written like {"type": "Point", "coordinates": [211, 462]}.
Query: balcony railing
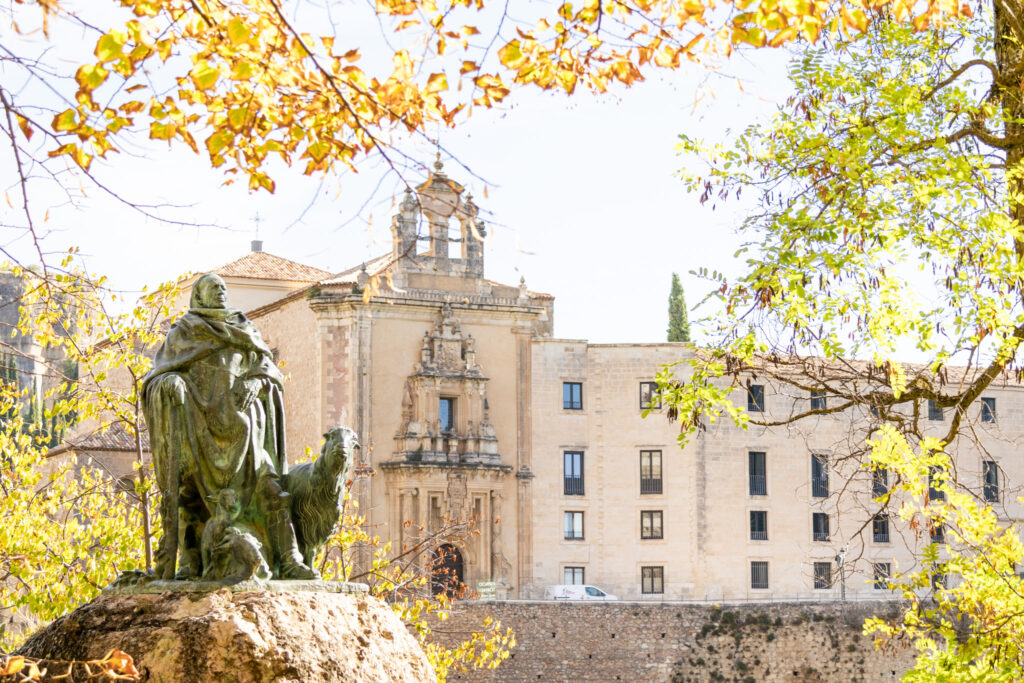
{"type": "Point", "coordinates": [820, 535]}
{"type": "Point", "coordinates": [756, 535]}
{"type": "Point", "coordinates": [819, 487]}
{"type": "Point", "coordinates": [758, 485]}
{"type": "Point", "coordinates": [881, 536]}
{"type": "Point", "coordinates": [650, 485]}
{"type": "Point", "coordinates": [573, 486]}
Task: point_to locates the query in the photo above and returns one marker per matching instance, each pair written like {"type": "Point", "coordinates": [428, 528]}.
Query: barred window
{"type": "Point", "coordinates": [573, 526]}
{"type": "Point", "coordinates": [755, 398]}
{"type": "Point", "coordinates": [759, 575]}
{"type": "Point", "coordinates": [758, 525]}
{"type": "Point", "coordinates": [819, 521]}
{"type": "Point", "coordinates": [822, 575]}
{"type": "Point", "coordinates": [882, 574]}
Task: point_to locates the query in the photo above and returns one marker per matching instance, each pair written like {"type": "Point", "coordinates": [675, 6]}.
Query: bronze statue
{"type": "Point", "coordinates": [213, 404]}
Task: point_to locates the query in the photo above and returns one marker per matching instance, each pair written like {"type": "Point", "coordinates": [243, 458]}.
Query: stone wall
{"type": "Point", "coordinates": [678, 642]}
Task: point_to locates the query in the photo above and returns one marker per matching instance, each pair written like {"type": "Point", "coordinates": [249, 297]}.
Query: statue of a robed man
{"type": "Point", "coordinates": [213, 404]}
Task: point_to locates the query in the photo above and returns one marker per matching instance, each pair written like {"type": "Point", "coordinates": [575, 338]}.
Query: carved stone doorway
{"type": "Point", "coordinates": [446, 574]}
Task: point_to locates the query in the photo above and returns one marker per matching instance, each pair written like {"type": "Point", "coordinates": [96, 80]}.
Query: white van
{"type": "Point", "coordinates": [576, 592]}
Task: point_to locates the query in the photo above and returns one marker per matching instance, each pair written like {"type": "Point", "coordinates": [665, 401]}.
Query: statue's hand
{"type": "Point", "coordinates": [251, 391]}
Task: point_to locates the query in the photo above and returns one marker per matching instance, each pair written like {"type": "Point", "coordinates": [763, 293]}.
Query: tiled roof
{"type": "Point", "coordinates": [265, 266]}
{"type": "Point", "coordinates": [116, 438]}
{"type": "Point", "coordinates": [373, 267]}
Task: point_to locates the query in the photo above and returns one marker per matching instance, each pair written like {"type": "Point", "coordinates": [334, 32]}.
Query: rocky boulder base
{"type": "Point", "coordinates": [240, 637]}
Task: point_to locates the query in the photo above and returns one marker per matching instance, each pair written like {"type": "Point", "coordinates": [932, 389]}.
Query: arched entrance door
{"type": "Point", "coordinates": [446, 575]}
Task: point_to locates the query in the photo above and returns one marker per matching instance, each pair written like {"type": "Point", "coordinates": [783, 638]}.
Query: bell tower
{"type": "Point", "coordinates": [437, 229]}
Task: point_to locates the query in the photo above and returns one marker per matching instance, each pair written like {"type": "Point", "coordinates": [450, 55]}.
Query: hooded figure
{"type": "Point", "coordinates": [213, 404]}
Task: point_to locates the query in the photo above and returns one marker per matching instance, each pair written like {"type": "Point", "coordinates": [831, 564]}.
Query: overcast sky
{"type": "Point", "coordinates": [580, 194]}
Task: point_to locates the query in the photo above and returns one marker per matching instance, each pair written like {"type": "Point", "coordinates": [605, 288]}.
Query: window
{"type": "Point", "coordinates": [650, 471]}
{"type": "Point", "coordinates": [822, 575]}
{"type": "Point", "coordinates": [934, 493]}
{"type": "Point", "coordinates": [573, 576]}
{"type": "Point", "coordinates": [755, 398]}
{"type": "Point", "coordinates": [652, 580]}
{"type": "Point", "coordinates": [649, 395]}
{"type": "Point", "coordinates": [882, 573]}
{"type": "Point", "coordinates": [939, 580]}
{"type": "Point", "coordinates": [446, 413]}
{"type": "Point", "coordinates": [758, 525]}
{"type": "Point", "coordinates": [572, 396]}
{"type": "Point", "coordinates": [819, 475]}
{"type": "Point", "coordinates": [937, 533]}
{"type": "Point", "coordinates": [818, 400]}
{"type": "Point", "coordinates": [880, 528]}
{"type": "Point", "coordinates": [573, 473]}
{"type": "Point", "coordinates": [454, 238]}
{"type": "Point", "coordinates": [819, 520]}
{"type": "Point", "coordinates": [573, 526]}
{"type": "Point", "coordinates": [990, 472]}
{"type": "Point", "coordinates": [879, 482]}
{"type": "Point", "coordinates": [759, 575]}
{"type": "Point", "coordinates": [650, 524]}
{"type": "Point", "coordinates": [934, 411]}
{"type": "Point", "coordinates": [988, 409]}
{"type": "Point", "coordinates": [758, 478]}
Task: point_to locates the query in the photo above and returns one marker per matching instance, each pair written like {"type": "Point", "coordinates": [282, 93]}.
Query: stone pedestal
{"type": "Point", "coordinates": [241, 637]}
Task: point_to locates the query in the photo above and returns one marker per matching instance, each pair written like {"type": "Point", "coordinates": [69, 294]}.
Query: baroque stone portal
{"type": "Point", "coordinates": [231, 510]}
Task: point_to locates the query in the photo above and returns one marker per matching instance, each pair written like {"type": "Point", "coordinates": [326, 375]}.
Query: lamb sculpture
{"type": "Point", "coordinates": [318, 491]}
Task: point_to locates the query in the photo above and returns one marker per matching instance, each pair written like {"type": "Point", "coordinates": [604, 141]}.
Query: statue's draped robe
{"type": "Point", "coordinates": [193, 401]}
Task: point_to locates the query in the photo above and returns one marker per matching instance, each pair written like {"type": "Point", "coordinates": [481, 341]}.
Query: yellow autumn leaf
{"type": "Point", "coordinates": [65, 121]}
{"type": "Point", "coordinates": [109, 46]}
{"type": "Point", "coordinates": [238, 32]}
{"type": "Point", "coordinates": [90, 76]}
{"type": "Point", "coordinates": [204, 75]}
{"type": "Point", "coordinates": [23, 123]}
{"type": "Point", "coordinates": [436, 83]}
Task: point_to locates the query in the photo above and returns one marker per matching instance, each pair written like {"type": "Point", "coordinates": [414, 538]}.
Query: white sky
{"type": "Point", "coordinates": [581, 199]}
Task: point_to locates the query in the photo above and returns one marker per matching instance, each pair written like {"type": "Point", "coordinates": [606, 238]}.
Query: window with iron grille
{"type": "Point", "coordinates": [755, 398]}
{"type": "Point", "coordinates": [990, 472]}
{"type": "Point", "coordinates": [819, 475]}
{"type": "Point", "coordinates": [879, 482]}
{"type": "Point", "coordinates": [652, 580]}
{"type": "Point", "coordinates": [572, 396]}
{"type": "Point", "coordinates": [758, 525]}
{"type": "Point", "coordinates": [759, 575]}
{"type": "Point", "coordinates": [819, 520]}
{"type": "Point", "coordinates": [651, 524]}
{"type": "Point", "coordinates": [818, 400]}
{"type": "Point", "coordinates": [937, 532]}
{"type": "Point", "coordinates": [939, 580]}
{"type": "Point", "coordinates": [880, 528]}
{"type": "Point", "coordinates": [650, 472]}
{"type": "Point", "coordinates": [988, 409]}
{"type": "Point", "coordinates": [822, 575]}
{"type": "Point", "coordinates": [573, 576]}
{"type": "Point", "coordinates": [934, 411]}
{"type": "Point", "coordinates": [882, 573]}
{"type": "Point", "coordinates": [758, 478]}
{"type": "Point", "coordinates": [934, 493]}
{"type": "Point", "coordinates": [573, 526]}
{"type": "Point", "coordinates": [649, 396]}
{"type": "Point", "coordinates": [573, 473]}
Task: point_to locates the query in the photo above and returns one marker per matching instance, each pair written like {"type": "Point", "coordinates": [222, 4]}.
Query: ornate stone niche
{"type": "Point", "coordinates": [445, 413]}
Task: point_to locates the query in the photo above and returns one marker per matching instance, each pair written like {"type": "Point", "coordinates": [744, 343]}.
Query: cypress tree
{"type": "Point", "coordinates": [678, 323]}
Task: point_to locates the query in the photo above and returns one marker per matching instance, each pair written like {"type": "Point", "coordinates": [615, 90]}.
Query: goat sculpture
{"type": "Point", "coordinates": [318, 491]}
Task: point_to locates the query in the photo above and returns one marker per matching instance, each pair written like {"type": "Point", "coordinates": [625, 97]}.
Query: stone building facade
{"type": "Point", "coordinates": [467, 405]}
